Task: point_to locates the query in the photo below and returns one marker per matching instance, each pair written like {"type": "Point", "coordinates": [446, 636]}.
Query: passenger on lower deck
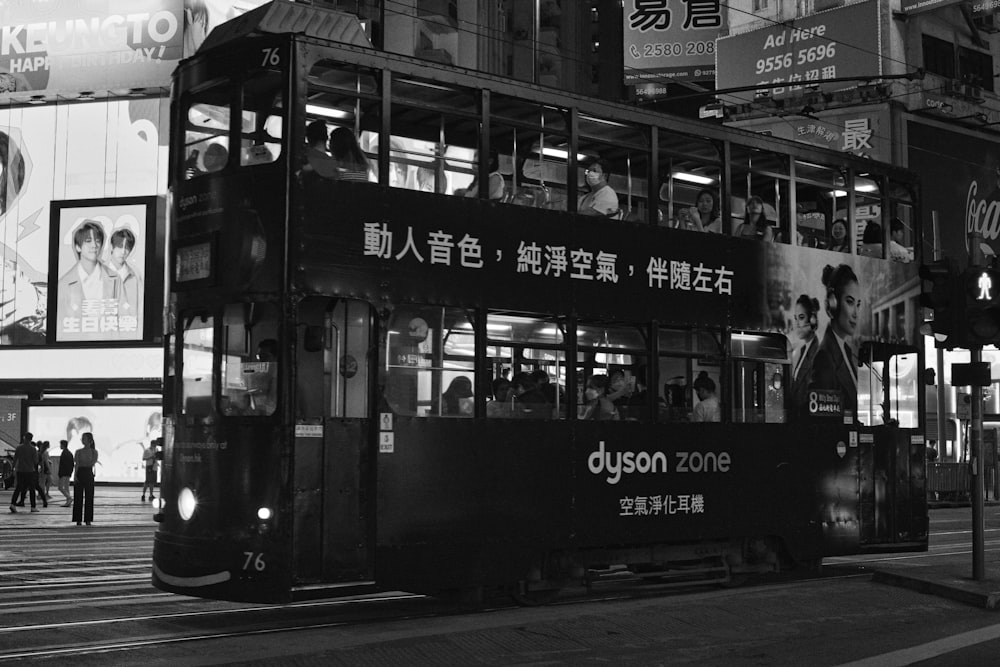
{"type": "Point", "coordinates": [707, 409]}
{"type": "Point", "coordinates": [598, 406]}
{"type": "Point", "coordinates": [529, 402]}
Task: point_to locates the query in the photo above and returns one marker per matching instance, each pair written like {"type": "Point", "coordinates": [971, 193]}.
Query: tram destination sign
{"type": "Point", "coordinates": [825, 403]}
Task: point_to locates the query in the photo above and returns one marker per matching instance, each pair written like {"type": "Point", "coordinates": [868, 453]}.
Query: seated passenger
{"type": "Point", "coordinates": [838, 236]}
{"type": "Point", "coordinates": [601, 198]}
{"type": "Point", "coordinates": [497, 184]}
{"type": "Point", "coordinates": [707, 409]}
{"type": "Point", "coordinates": [456, 401]}
{"type": "Point", "coordinates": [528, 401]}
{"type": "Point", "coordinates": [871, 240]}
{"type": "Point", "coordinates": [500, 406]}
{"type": "Point", "coordinates": [317, 159]}
{"type": "Point", "coordinates": [897, 251]}
{"type": "Point", "coordinates": [705, 215]}
{"type": "Point", "coordinates": [349, 160]}
{"type": "Point", "coordinates": [755, 223]}
{"type": "Point", "coordinates": [598, 406]}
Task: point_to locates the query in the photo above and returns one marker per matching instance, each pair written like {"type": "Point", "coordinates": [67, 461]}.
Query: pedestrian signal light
{"type": "Point", "coordinates": [938, 293]}
{"type": "Point", "coordinates": [982, 306]}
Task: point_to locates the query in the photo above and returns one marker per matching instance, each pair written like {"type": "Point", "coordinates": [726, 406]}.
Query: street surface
{"type": "Point", "coordinates": [82, 594]}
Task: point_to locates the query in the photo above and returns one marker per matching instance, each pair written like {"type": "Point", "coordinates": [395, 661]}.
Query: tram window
{"type": "Point", "coordinates": [619, 355]}
{"type": "Point", "coordinates": [206, 137]}
{"type": "Point", "coordinates": [250, 358]}
{"type": "Point", "coordinates": [684, 356]}
{"type": "Point", "coordinates": [625, 150]}
{"type": "Point", "coordinates": [816, 193]}
{"type": "Point", "coordinates": [528, 352]}
{"type": "Point", "coordinates": [197, 344]}
{"type": "Point", "coordinates": [688, 166]}
{"type": "Point", "coordinates": [888, 385]}
{"type": "Point", "coordinates": [870, 226]}
{"type": "Point", "coordinates": [533, 143]}
{"type": "Point", "coordinates": [765, 176]}
{"type": "Point", "coordinates": [901, 208]}
{"type": "Point", "coordinates": [261, 122]}
{"type": "Point", "coordinates": [429, 355]}
{"type": "Point", "coordinates": [759, 370]}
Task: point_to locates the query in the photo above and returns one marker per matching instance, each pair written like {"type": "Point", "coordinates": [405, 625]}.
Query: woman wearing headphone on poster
{"type": "Point", "coordinates": [835, 366]}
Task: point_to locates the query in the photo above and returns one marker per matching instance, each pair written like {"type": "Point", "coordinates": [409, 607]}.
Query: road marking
{"type": "Point", "coordinates": [909, 656]}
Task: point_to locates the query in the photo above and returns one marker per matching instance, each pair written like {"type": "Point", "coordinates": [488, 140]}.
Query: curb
{"type": "Point", "coordinates": [966, 594]}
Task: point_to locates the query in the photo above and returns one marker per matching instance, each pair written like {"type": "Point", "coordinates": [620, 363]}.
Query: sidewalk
{"type": "Point", "coordinates": [113, 506]}
{"type": "Point", "coordinates": [953, 581]}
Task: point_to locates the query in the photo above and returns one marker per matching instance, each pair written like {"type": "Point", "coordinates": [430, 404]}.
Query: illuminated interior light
{"type": "Point", "coordinates": [186, 503]}
{"type": "Point", "coordinates": [838, 193]}
{"type": "Point", "coordinates": [264, 513]}
{"type": "Point", "coordinates": [866, 187]}
{"type": "Point", "coordinates": [328, 112]}
{"type": "Point", "coordinates": [693, 178]}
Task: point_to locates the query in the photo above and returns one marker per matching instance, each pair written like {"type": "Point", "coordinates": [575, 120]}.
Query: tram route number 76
{"type": "Point", "coordinates": [254, 560]}
{"type": "Point", "coordinates": [272, 57]}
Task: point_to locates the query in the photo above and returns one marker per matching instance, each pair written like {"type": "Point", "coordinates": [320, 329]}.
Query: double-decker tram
{"type": "Point", "coordinates": [644, 344]}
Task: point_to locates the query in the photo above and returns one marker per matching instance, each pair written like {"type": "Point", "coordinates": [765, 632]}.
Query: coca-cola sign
{"type": "Point", "coordinates": [960, 182]}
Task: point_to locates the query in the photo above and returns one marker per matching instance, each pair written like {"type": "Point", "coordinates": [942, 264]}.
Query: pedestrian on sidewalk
{"type": "Point", "coordinates": [65, 472]}
{"type": "Point", "coordinates": [42, 472]}
{"type": "Point", "coordinates": [25, 464]}
{"type": "Point", "coordinates": [83, 489]}
{"type": "Point", "coordinates": [150, 463]}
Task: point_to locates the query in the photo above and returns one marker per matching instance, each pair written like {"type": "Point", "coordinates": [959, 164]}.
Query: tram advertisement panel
{"type": "Point", "coordinates": [100, 249]}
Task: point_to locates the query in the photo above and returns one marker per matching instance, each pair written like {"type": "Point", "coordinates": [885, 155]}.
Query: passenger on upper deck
{"type": "Point", "coordinates": [705, 215]}
{"type": "Point", "coordinates": [755, 223]}
{"type": "Point", "coordinates": [496, 181]}
{"type": "Point", "coordinates": [317, 159]}
{"type": "Point", "coordinates": [350, 161]}
{"type": "Point", "coordinates": [897, 251]}
{"type": "Point", "coordinates": [601, 199]}
{"type": "Point", "coordinates": [838, 236]}
{"type": "Point", "coordinates": [598, 406]}
{"type": "Point", "coordinates": [871, 240]}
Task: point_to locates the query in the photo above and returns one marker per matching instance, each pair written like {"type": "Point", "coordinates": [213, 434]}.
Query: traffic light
{"type": "Point", "coordinates": [982, 306]}
{"type": "Point", "coordinates": [941, 292]}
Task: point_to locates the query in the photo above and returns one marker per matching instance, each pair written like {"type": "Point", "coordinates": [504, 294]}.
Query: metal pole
{"type": "Point", "coordinates": [976, 470]}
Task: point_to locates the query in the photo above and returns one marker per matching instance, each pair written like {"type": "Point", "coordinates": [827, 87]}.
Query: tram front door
{"type": "Point", "coordinates": [892, 485]}
{"type": "Point", "coordinates": [332, 426]}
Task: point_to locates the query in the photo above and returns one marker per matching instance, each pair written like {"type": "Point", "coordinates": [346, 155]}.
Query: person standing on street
{"type": "Point", "coordinates": [149, 462]}
{"type": "Point", "coordinates": [25, 465]}
{"type": "Point", "coordinates": [65, 472]}
{"type": "Point", "coordinates": [83, 490]}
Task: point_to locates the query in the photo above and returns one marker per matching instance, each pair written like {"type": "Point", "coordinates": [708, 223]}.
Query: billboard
{"type": "Point", "coordinates": [664, 44]}
{"type": "Point", "coordinates": [76, 45]}
{"type": "Point", "coordinates": [65, 152]}
{"type": "Point", "coordinates": [100, 251]}
{"type": "Point", "coordinates": [965, 188]}
{"type": "Point", "coordinates": [836, 44]}
{"type": "Point", "coordinates": [121, 432]}
{"type": "Point", "coordinates": [202, 16]}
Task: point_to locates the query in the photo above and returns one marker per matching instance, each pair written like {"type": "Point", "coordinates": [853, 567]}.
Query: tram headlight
{"type": "Point", "coordinates": [186, 503]}
{"type": "Point", "coordinates": [264, 513]}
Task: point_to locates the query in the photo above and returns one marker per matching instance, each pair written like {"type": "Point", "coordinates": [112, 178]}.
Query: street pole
{"type": "Point", "coordinates": [976, 469]}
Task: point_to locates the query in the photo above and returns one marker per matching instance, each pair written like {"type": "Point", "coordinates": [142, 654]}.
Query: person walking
{"type": "Point", "coordinates": [83, 489]}
{"type": "Point", "coordinates": [65, 472]}
{"type": "Point", "coordinates": [44, 476]}
{"type": "Point", "coordinates": [25, 466]}
{"type": "Point", "coordinates": [149, 462]}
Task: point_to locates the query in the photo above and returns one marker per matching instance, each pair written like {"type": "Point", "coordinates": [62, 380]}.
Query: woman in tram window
{"type": "Point", "coordinates": [598, 406]}
{"type": "Point", "coordinates": [705, 215]}
{"type": "Point", "coordinates": [351, 163]}
{"type": "Point", "coordinates": [496, 182]}
{"type": "Point", "coordinates": [456, 401]}
{"type": "Point", "coordinates": [838, 236]}
{"type": "Point", "coordinates": [755, 223]}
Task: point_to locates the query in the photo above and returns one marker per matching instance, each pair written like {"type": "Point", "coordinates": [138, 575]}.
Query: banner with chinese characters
{"type": "Point", "coordinates": [837, 44]}
{"type": "Point", "coordinates": [851, 131]}
{"type": "Point", "coordinates": [101, 251]}
{"type": "Point", "coordinates": [667, 42]}
{"type": "Point", "coordinates": [52, 47]}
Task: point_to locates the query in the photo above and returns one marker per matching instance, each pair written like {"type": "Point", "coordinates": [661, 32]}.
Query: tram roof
{"type": "Point", "coordinates": [283, 16]}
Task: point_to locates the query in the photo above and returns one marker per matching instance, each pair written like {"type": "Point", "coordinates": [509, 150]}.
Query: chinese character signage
{"type": "Point", "coordinates": [837, 44]}
{"type": "Point", "coordinates": [669, 41]}
{"type": "Point", "coordinates": [101, 250]}
{"type": "Point", "coordinates": [50, 47]}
